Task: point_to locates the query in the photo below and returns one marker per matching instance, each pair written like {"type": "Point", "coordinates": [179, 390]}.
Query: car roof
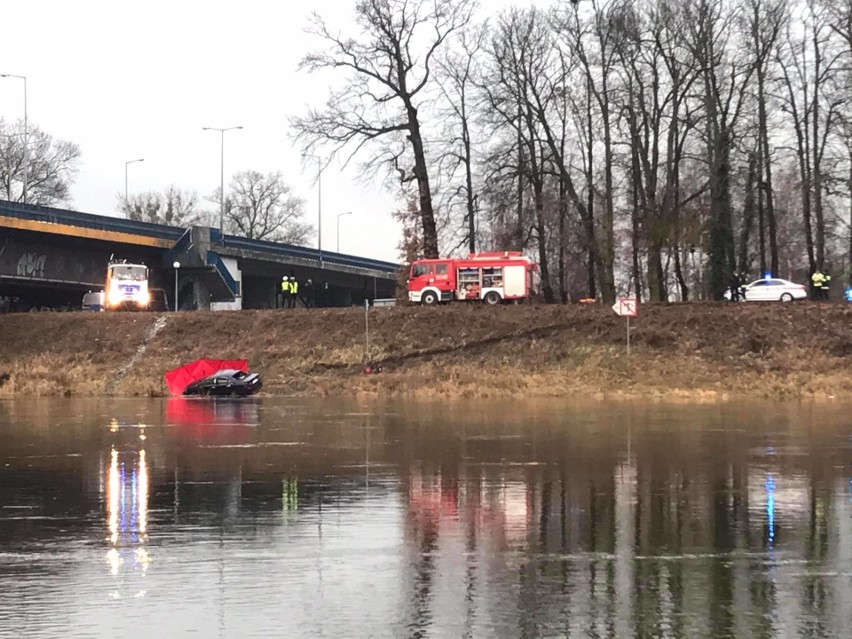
{"type": "Point", "coordinates": [771, 279]}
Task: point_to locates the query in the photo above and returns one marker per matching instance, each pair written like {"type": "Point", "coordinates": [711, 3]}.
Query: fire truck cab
{"type": "Point", "coordinates": [491, 276]}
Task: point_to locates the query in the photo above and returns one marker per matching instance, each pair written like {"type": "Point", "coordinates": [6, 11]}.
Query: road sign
{"type": "Point", "coordinates": [626, 307]}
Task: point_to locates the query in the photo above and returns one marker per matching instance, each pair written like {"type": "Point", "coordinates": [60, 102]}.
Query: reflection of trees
{"type": "Point", "coordinates": [575, 529]}
{"type": "Point", "coordinates": [681, 536]}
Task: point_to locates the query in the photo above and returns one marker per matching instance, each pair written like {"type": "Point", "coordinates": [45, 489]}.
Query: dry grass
{"type": "Point", "coordinates": [679, 351]}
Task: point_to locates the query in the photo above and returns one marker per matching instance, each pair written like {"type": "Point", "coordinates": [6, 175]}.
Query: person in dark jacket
{"type": "Point", "coordinates": [308, 294]}
{"type": "Point", "coordinates": [734, 284]}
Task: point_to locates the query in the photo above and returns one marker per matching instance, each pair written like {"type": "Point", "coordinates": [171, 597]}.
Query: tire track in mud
{"type": "Point", "coordinates": [155, 328]}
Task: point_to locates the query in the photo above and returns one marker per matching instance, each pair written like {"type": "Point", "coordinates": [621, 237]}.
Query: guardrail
{"type": "Point", "coordinates": [87, 220]}
{"type": "Point", "coordinates": [160, 231]}
{"type": "Point", "coordinates": [290, 250]}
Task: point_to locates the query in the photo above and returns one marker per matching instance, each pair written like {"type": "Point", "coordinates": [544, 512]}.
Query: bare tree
{"type": "Point", "coordinates": [172, 207]}
{"type": "Point", "coordinates": [592, 41]}
{"type": "Point", "coordinates": [263, 207]}
{"type": "Point", "coordinates": [517, 79]}
{"type": "Point", "coordinates": [765, 21]}
{"type": "Point", "coordinates": [389, 66]}
{"type": "Point", "coordinates": [808, 68]}
{"type": "Point", "coordinates": [724, 78]}
{"type": "Point", "coordinates": [52, 165]}
{"type": "Point", "coordinates": [457, 84]}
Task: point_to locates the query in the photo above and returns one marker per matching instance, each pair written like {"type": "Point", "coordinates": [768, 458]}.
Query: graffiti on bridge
{"type": "Point", "coordinates": [32, 265]}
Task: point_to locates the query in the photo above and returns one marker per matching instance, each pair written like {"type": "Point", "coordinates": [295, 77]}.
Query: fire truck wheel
{"type": "Point", "coordinates": [429, 298]}
{"type": "Point", "coordinates": [492, 298]}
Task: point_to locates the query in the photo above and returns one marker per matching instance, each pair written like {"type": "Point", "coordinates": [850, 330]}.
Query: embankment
{"type": "Point", "coordinates": [688, 350]}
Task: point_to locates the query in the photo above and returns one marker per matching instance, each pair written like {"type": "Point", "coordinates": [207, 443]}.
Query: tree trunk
{"type": "Point", "coordinates": [421, 173]}
{"type": "Point", "coordinates": [468, 174]}
{"type": "Point", "coordinates": [563, 240]}
{"type": "Point", "coordinates": [748, 215]}
{"type": "Point", "coordinates": [590, 207]}
{"type": "Point", "coordinates": [607, 275]}
{"type": "Point", "coordinates": [817, 157]}
{"type": "Point", "coordinates": [766, 170]}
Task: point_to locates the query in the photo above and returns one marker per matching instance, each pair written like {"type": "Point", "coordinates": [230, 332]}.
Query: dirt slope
{"type": "Point", "coordinates": [801, 349]}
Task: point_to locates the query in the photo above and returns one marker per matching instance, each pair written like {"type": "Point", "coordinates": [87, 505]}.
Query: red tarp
{"type": "Point", "coordinates": [179, 378]}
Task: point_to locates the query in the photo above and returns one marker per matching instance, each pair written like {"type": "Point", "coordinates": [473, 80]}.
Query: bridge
{"type": "Point", "coordinates": [52, 256]}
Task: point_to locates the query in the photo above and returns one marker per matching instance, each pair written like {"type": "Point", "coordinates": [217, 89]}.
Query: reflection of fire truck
{"type": "Point", "coordinates": [489, 276]}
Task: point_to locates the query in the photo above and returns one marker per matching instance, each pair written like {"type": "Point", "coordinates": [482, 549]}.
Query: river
{"type": "Point", "coordinates": [323, 518]}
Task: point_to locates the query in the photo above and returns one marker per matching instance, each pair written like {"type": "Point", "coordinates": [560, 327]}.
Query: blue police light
{"type": "Point", "coordinates": [849, 294]}
{"type": "Point", "coordinates": [769, 486]}
{"type": "Point", "coordinates": [767, 276]}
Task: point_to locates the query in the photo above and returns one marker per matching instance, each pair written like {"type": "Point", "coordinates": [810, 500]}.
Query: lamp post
{"type": "Point", "coordinates": [222, 173]}
{"type": "Point", "coordinates": [177, 269]}
{"type": "Point", "coordinates": [340, 215]}
{"type": "Point", "coordinates": [126, 164]}
{"type": "Point", "coordinates": [26, 135]}
{"type": "Point", "coordinates": [319, 203]}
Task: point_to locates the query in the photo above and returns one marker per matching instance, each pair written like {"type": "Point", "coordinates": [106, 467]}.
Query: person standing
{"type": "Point", "coordinates": [734, 284]}
{"type": "Point", "coordinates": [308, 294]}
{"type": "Point", "coordinates": [816, 284]}
{"type": "Point", "coordinates": [285, 291]}
{"type": "Point", "coordinates": [294, 291]}
{"type": "Point", "coordinates": [825, 286]}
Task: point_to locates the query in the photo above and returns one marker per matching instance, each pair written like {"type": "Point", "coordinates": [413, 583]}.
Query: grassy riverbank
{"type": "Point", "coordinates": [687, 350]}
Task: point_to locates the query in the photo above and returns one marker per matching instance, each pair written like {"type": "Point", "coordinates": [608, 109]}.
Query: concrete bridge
{"type": "Point", "coordinates": [51, 257]}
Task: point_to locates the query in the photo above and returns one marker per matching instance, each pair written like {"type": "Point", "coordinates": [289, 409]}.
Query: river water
{"type": "Point", "coordinates": [297, 518]}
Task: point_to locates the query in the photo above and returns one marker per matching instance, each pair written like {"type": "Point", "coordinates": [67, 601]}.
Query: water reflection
{"type": "Point", "coordinates": [127, 513]}
{"type": "Point", "coordinates": [276, 517]}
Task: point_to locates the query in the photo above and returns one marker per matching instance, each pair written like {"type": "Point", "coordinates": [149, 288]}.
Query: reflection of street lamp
{"type": "Point", "coordinates": [222, 174]}
{"type": "Point", "coordinates": [126, 164]}
{"type": "Point", "coordinates": [340, 215]}
{"type": "Point", "coordinates": [26, 135]}
{"type": "Point", "coordinates": [177, 268]}
{"type": "Point", "coordinates": [319, 202]}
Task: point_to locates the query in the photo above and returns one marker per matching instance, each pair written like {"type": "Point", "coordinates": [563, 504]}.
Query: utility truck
{"type": "Point", "coordinates": [127, 286]}
{"type": "Point", "coordinates": [490, 276]}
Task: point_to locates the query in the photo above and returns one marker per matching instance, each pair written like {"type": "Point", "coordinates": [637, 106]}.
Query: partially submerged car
{"type": "Point", "coordinates": [226, 383]}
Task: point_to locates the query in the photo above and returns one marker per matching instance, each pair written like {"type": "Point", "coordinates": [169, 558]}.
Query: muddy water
{"type": "Point", "coordinates": [323, 519]}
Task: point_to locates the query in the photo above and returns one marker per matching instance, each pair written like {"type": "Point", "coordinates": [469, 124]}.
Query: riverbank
{"type": "Point", "coordinates": [687, 350]}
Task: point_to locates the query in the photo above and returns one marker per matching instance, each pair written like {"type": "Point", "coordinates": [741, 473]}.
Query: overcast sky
{"type": "Point", "coordinates": [128, 80]}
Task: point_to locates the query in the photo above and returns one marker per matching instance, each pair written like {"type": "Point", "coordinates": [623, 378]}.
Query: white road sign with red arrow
{"type": "Point", "coordinates": [626, 307]}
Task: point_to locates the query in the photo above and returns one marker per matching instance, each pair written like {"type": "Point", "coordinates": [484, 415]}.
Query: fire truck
{"type": "Point", "coordinates": [491, 276]}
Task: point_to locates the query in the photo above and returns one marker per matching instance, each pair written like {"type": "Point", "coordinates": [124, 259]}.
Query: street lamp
{"type": "Point", "coordinates": [319, 202]}
{"type": "Point", "coordinates": [126, 164]}
{"type": "Point", "coordinates": [177, 268]}
{"type": "Point", "coordinates": [222, 175]}
{"type": "Point", "coordinates": [340, 215]}
{"type": "Point", "coordinates": [26, 134]}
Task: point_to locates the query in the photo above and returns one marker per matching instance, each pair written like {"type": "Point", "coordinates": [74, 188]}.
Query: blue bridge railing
{"type": "Point", "coordinates": [215, 260]}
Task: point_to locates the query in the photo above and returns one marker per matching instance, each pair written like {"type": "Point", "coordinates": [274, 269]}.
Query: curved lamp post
{"type": "Point", "coordinates": [340, 215]}
{"type": "Point", "coordinates": [222, 173]}
{"type": "Point", "coordinates": [319, 202]}
{"type": "Point", "coordinates": [126, 164]}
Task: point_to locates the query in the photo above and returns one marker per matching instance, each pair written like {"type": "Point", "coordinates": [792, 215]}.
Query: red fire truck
{"type": "Point", "coordinates": [492, 276]}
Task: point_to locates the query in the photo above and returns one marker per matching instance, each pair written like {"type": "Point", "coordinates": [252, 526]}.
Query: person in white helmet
{"type": "Point", "coordinates": [285, 291]}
